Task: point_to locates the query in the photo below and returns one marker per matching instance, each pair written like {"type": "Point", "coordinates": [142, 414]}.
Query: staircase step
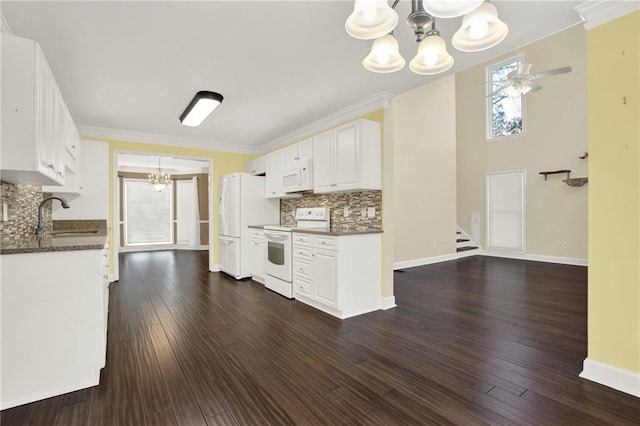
{"type": "Point", "coordinates": [459, 249]}
{"type": "Point", "coordinates": [461, 240]}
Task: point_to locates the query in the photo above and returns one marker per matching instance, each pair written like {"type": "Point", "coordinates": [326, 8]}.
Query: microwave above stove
{"type": "Point", "coordinates": [299, 178]}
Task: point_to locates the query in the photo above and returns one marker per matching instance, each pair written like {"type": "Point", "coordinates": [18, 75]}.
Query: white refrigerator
{"type": "Point", "coordinates": [242, 203]}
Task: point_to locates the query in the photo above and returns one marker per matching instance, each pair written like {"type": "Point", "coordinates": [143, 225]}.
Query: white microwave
{"type": "Point", "coordinates": [298, 179]}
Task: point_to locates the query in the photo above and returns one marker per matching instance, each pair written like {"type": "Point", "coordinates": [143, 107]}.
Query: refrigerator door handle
{"type": "Point", "coordinates": [222, 208]}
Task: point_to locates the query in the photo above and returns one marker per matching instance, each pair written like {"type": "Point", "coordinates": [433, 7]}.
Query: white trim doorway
{"type": "Point", "coordinates": [115, 226]}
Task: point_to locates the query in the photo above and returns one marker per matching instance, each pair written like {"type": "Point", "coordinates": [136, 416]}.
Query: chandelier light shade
{"type": "Point", "coordinates": [432, 57]}
{"type": "Point", "coordinates": [202, 104]}
{"type": "Point", "coordinates": [159, 180]}
{"type": "Point", "coordinates": [374, 19]}
{"type": "Point", "coordinates": [450, 8]}
{"type": "Point", "coordinates": [480, 30]}
{"type": "Point", "coordinates": [385, 56]}
{"type": "Point", "coordinates": [371, 19]}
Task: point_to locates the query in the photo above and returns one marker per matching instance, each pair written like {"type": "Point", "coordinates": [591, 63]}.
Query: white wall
{"type": "Point", "coordinates": [424, 171]}
{"type": "Point", "coordinates": [556, 134]}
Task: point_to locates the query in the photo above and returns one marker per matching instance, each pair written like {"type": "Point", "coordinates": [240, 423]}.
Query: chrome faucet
{"type": "Point", "coordinates": [40, 228]}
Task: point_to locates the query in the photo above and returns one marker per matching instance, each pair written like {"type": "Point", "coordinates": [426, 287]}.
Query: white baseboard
{"type": "Point", "coordinates": [433, 259]}
{"type": "Point", "coordinates": [387, 302]}
{"type": "Point", "coordinates": [617, 378]}
{"type": "Point", "coordinates": [113, 278]}
{"type": "Point", "coordinates": [157, 247]}
{"type": "Point", "coordinates": [468, 253]}
{"type": "Point", "coordinates": [215, 268]}
{"type": "Point", "coordinates": [50, 393]}
{"type": "Point", "coordinates": [537, 258]}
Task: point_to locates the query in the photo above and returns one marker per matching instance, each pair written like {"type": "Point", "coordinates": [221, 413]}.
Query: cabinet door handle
{"type": "Point", "coordinates": [50, 166]}
{"type": "Point", "coordinates": [73, 147]}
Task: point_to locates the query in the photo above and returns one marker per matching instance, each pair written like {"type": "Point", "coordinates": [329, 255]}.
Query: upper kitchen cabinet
{"type": "Point", "coordinates": [37, 128]}
{"type": "Point", "coordinates": [348, 158]}
{"type": "Point", "coordinates": [91, 184]}
{"type": "Point", "coordinates": [274, 167]}
{"type": "Point", "coordinates": [298, 154]}
{"type": "Point", "coordinates": [257, 166]}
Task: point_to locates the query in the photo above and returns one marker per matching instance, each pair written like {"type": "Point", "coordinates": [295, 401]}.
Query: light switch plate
{"type": "Point", "coordinates": [371, 212]}
{"type": "Point", "coordinates": [346, 212]}
{"type": "Point", "coordinates": [5, 212]}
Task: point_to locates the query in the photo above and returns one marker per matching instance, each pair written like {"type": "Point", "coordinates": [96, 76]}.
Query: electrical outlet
{"type": "Point", "coordinates": [346, 212]}
{"type": "Point", "coordinates": [565, 244]}
{"type": "Point", "coordinates": [371, 212]}
{"type": "Point", "coordinates": [363, 212]}
{"type": "Point", "coordinates": [5, 212]}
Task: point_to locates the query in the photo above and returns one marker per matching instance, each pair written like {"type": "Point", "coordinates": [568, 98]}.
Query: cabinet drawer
{"type": "Point", "coordinates": [302, 239]}
{"type": "Point", "coordinates": [302, 252]}
{"type": "Point", "coordinates": [256, 235]}
{"type": "Point", "coordinates": [302, 286]}
{"type": "Point", "coordinates": [326, 242]}
{"type": "Point", "coordinates": [302, 268]}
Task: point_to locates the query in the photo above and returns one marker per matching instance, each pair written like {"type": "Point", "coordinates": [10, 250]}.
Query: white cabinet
{"type": "Point", "coordinates": [257, 254]}
{"type": "Point", "coordinates": [274, 185]}
{"type": "Point", "coordinates": [36, 124]}
{"type": "Point", "coordinates": [340, 275]}
{"type": "Point", "coordinates": [257, 166]}
{"type": "Point", "coordinates": [87, 189]}
{"type": "Point", "coordinates": [348, 158]}
{"type": "Point", "coordinates": [273, 182]}
{"type": "Point", "coordinates": [54, 319]}
{"type": "Point", "coordinates": [298, 154]}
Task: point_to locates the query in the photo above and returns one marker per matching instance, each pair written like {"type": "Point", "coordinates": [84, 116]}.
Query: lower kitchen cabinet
{"type": "Point", "coordinates": [54, 323]}
{"type": "Point", "coordinates": [339, 275]}
{"type": "Point", "coordinates": [257, 254]}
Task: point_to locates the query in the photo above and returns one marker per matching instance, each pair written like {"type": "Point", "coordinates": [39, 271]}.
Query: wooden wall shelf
{"type": "Point", "coordinates": [555, 172]}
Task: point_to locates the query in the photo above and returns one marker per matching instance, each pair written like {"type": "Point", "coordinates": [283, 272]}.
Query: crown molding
{"type": "Point", "coordinates": [372, 103]}
{"type": "Point", "coordinates": [152, 138]}
{"type": "Point", "coordinates": [597, 12]}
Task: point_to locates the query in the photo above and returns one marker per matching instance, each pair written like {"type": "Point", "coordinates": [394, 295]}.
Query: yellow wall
{"type": "Point", "coordinates": [556, 134]}
{"type": "Point", "coordinates": [614, 193]}
{"type": "Point", "coordinates": [223, 163]}
{"type": "Point", "coordinates": [424, 171]}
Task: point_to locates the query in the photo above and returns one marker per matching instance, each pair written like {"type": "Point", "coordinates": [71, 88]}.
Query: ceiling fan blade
{"type": "Point", "coordinates": [534, 87]}
{"type": "Point", "coordinates": [495, 92]}
{"type": "Point", "coordinates": [548, 73]}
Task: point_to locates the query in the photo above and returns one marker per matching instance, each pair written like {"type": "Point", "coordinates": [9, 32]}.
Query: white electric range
{"type": "Point", "coordinates": [279, 256]}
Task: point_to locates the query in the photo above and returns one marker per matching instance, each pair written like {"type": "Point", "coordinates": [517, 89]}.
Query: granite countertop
{"type": "Point", "coordinates": [67, 236]}
{"type": "Point", "coordinates": [340, 230]}
{"type": "Point", "coordinates": [256, 226]}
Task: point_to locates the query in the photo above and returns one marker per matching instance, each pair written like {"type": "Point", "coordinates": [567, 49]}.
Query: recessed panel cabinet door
{"type": "Point", "coordinates": [323, 162]}
{"type": "Point", "coordinates": [347, 164]}
{"type": "Point", "coordinates": [326, 289]}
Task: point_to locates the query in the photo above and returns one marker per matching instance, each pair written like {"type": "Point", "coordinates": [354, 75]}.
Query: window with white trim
{"type": "Point", "coordinates": [505, 211]}
{"type": "Point", "coordinates": [147, 213]}
{"type": "Point", "coordinates": [505, 108]}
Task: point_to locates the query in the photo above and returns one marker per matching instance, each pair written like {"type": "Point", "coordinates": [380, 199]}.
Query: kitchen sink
{"type": "Point", "coordinates": [76, 232]}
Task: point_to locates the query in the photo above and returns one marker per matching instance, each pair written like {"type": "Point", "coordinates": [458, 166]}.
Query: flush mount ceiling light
{"type": "Point", "coordinates": [202, 104]}
{"type": "Point", "coordinates": [374, 19]}
{"type": "Point", "coordinates": [159, 180]}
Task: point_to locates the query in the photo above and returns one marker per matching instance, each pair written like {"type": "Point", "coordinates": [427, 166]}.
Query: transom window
{"type": "Point", "coordinates": [505, 109]}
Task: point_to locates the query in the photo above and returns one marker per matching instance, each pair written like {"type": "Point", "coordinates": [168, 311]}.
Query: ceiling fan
{"type": "Point", "coordinates": [520, 81]}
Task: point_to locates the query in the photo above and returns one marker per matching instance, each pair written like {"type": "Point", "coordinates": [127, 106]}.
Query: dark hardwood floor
{"type": "Point", "coordinates": [475, 341]}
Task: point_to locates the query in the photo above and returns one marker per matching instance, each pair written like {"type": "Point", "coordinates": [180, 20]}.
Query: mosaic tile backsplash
{"type": "Point", "coordinates": [357, 202]}
{"type": "Point", "coordinates": [23, 201]}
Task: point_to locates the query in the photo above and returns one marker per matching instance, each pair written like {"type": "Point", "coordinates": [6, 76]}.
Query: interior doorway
{"type": "Point", "coordinates": [189, 193]}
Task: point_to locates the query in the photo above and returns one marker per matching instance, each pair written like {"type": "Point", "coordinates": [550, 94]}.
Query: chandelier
{"type": "Point", "coordinates": [481, 29]}
{"type": "Point", "coordinates": [159, 180]}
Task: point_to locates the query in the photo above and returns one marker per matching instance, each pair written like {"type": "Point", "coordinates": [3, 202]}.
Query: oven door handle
{"type": "Point", "coordinates": [276, 236]}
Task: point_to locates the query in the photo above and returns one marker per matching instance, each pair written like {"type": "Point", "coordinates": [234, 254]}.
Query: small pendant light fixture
{"type": "Point", "coordinates": [202, 104]}
{"type": "Point", "coordinates": [159, 180]}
